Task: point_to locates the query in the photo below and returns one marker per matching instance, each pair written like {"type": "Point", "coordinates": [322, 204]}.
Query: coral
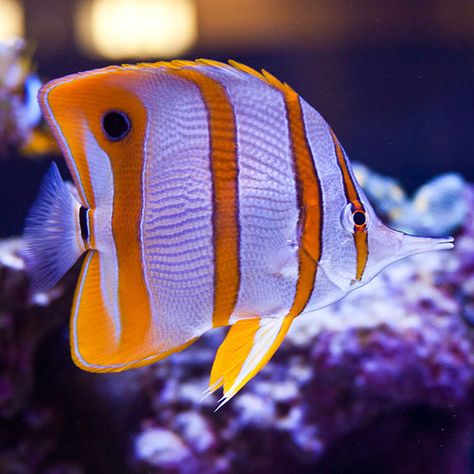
{"type": "Point", "coordinates": [396, 348]}
{"type": "Point", "coordinates": [379, 382]}
{"type": "Point", "coordinates": [19, 110]}
{"type": "Point", "coordinates": [437, 208]}
{"type": "Point", "coordinates": [29, 428]}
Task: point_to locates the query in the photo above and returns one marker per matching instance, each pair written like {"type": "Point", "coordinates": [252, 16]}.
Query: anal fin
{"type": "Point", "coordinates": [248, 346]}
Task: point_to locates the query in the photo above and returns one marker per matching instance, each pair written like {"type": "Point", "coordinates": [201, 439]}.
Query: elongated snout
{"type": "Point", "coordinates": [387, 245]}
{"type": "Point", "coordinates": [412, 244]}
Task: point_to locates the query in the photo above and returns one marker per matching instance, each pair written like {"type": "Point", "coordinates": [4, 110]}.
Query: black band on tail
{"type": "Point", "coordinates": [84, 223]}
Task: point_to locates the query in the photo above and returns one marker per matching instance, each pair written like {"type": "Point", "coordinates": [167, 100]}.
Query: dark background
{"type": "Point", "coordinates": [393, 79]}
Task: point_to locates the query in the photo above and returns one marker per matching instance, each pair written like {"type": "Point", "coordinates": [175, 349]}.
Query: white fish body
{"type": "Point", "coordinates": [209, 195]}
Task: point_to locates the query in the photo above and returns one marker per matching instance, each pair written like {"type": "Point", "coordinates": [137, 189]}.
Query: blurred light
{"type": "Point", "coordinates": [11, 19]}
{"type": "Point", "coordinates": [136, 28]}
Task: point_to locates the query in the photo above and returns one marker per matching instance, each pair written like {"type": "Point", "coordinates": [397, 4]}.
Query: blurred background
{"type": "Point", "coordinates": [387, 385]}
{"type": "Point", "coordinates": [394, 79]}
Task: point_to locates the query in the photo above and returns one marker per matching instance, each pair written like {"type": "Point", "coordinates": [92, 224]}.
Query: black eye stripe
{"type": "Point", "coordinates": [116, 125]}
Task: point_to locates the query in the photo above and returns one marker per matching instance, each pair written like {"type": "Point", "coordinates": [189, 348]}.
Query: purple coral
{"type": "Point", "coordinates": [379, 382]}
{"type": "Point", "coordinates": [389, 357]}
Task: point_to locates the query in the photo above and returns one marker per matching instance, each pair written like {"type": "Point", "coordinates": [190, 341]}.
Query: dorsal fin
{"type": "Point", "coordinates": [231, 66]}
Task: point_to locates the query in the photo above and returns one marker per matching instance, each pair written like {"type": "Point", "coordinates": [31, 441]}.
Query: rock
{"type": "Point", "coordinates": [381, 378]}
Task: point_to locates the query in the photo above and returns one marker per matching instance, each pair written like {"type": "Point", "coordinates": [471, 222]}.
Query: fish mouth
{"type": "Point", "coordinates": [445, 243]}
{"type": "Point", "coordinates": [412, 245]}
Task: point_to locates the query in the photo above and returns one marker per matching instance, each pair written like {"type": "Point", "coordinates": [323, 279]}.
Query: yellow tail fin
{"type": "Point", "coordinates": [248, 346]}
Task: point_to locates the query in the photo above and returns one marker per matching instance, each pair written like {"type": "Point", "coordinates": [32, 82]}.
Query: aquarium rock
{"type": "Point", "coordinates": [383, 377]}
{"type": "Point", "coordinates": [19, 85]}
{"type": "Point", "coordinates": [437, 208]}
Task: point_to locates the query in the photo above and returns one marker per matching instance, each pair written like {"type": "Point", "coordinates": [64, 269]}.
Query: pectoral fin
{"type": "Point", "coordinates": [248, 346]}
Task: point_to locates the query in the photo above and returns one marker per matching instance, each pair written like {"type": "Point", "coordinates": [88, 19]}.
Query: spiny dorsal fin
{"type": "Point", "coordinates": [264, 75]}
{"type": "Point", "coordinates": [232, 66]}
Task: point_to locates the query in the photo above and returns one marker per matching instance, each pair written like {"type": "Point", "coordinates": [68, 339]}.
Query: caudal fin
{"type": "Point", "coordinates": [51, 237]}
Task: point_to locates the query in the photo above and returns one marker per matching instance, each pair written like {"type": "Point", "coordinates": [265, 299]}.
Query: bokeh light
{"type": "Point", "coordinates": [136, 28]}
{"type": "Point", "coordinates": [11, 19]}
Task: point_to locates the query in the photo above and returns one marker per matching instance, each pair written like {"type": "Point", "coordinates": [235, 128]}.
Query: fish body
{"type": "Point", "coordinates": [208, 195]}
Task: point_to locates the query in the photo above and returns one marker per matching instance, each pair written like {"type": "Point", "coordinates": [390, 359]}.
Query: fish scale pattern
{"type": "Point", "coordinates": [268, 211]}
{"type": "Point", "coordinates": [177, 219]}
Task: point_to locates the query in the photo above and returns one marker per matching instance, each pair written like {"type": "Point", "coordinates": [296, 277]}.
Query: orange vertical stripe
{"type": "Point", "coordinates": [74, 109]}
{"type": "Point", "coordinates": [309, 202]}
{"type": "Point", "coordinates": [137, 337]}
{"type": "Point", "coordinates": [127, 158]}
{"type": "Point", "coordinates": [58, 96]}
{"type": "Point", "coordinates": [360, 236]}
{"type": "Point", "coordinates": [224, 170]}
{"type": "Point", "coordinates": [362, 246]}
{"type": "Point", "coordinates": [349, 186]}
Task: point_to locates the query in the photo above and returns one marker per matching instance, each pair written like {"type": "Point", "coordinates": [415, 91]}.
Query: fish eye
{"type": "Point", "coordinates": [353, 218]}
{"type": "Point", "coordinates": [359, 218]}
{"type": "Point", "coordinates": [116, 125]}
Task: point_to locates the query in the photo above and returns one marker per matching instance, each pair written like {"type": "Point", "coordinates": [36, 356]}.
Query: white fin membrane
{"type": "Point", "coordinates": [51, 239]}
